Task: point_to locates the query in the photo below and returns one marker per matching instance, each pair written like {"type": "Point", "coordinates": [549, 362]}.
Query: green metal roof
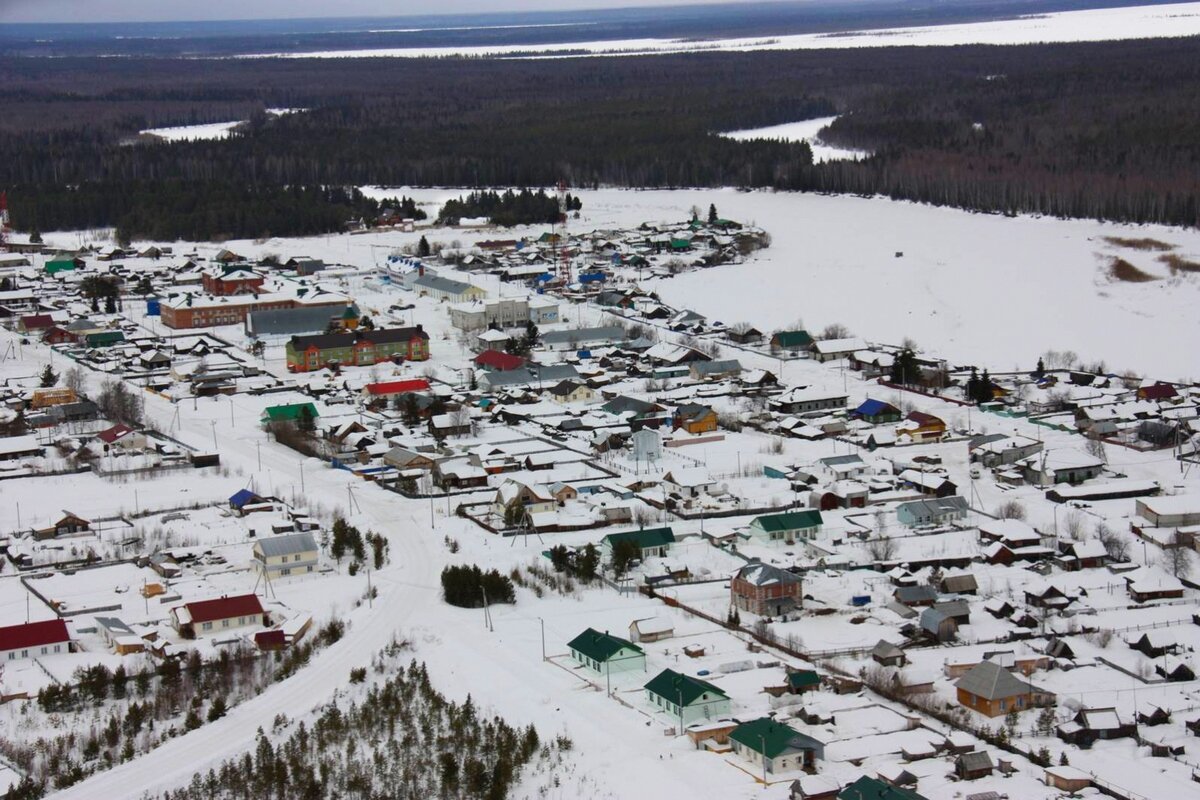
{"type": "Point", "coordinates": [649, 537]}
{"type": "Point", "coordinates": [803, 679]}
{"type": "Point", "coordinates": [677, 687]}
{"type": "Point", "coordinates": [866, 788]}
{"type": "Point", "coordinates": [789, 520]}
{"type": "Point", "coordinates": [765, 735]}
{"type": "Point", "coordinates": [788, 339]}
{"type": "Point", "coordinates": [600, 646]}
{"type": "Point", "coordinates": [289, 413]}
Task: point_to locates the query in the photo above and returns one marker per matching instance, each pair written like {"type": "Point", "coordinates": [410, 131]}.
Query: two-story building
{"type": "Point", "coordinates": [281, 556]}
{"type": "Point", "coordinates": [356, 348]}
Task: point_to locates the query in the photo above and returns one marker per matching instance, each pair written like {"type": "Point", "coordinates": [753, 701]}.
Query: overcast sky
{"type": "Point", "coordinates": [162, 10]}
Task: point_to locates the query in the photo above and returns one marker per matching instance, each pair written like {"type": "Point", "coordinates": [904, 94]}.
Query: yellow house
{"type": "Point", "coordinates": [695, 418]}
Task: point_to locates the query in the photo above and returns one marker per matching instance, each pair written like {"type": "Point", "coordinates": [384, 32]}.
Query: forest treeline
{"type": "Point", "coordinates": [1103, 130]}
{"type": "Point", "coordinates": [508, 208]}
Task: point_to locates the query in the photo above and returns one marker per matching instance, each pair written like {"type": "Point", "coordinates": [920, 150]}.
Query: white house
{"type": "Point", "coordinates": [33, 639]}
{"type": "Point", "coordinates": [281, 556]}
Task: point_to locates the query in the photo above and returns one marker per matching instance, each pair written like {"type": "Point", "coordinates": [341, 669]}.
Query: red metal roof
{"type": "Point", "coordinates": [33, 634]}
{"type": "Point", "coordinates": [118, 431]}
{"type": "Point", "coordinates": [37, 321]}
{"type": "Point", "coordinates": [498, 360]}
{"type": "Point", "coordinates": [399, 387]}
{"type": "Point", "coordinates": [246, 605]}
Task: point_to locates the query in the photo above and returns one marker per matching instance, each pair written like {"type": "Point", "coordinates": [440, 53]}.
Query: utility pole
{"type": "Point", "coordinates": [543, 622]}
{"type": "Point", "coordinates": [258, 450]}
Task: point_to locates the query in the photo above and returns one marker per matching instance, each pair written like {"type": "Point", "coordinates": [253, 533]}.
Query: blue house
{"type": "Point", "coordinates": [877, 412]}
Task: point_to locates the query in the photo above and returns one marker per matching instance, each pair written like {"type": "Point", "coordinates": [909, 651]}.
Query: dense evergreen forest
{"type": "Point", "coordinates": [508, 208]}
{"type": "Point", "coordinates": [1106, 130]}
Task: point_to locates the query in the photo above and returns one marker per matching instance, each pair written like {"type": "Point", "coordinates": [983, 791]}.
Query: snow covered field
{"type": "Point", "coordinates": [209, 130]}
{"type": "Point", "coordinates": [1138, 22]}
{"type": "Point", "coordinates": [803, 131]}
{"type": "Point", "coordinates": [976, 288]}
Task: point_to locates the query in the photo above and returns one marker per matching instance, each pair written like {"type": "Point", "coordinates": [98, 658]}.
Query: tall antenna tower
{"type": "Point", "coordinates": [560, 234]}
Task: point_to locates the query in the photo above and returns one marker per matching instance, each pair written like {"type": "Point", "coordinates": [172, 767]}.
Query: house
{"type": "Point", "coordinates": [832, 349]}
{"type": "Point", "coordinates": [34, 323]}
{"type": "Point", "coordinates": [121, 437]}
{"type": "Point", "coordinates": [938, 625]}
{"type": "Point", "coordinates": [1175, 670]}
{"type": "Point", "coordinates": [802, 680]}
{"type": "Point", "coordinates": [651, 629]}
{"type": "Point", "coordinates": [744, 334]}
{"type": "Point", "coordinates": [974, 765]}
{"type": "Point", "coordinates": [33, 639]}
{"type": "Point", "coordinates": [1154, 715]}
{"type": "Point", "coordinates": [650, 543]}
{"type": "Point", "coordinates": [498, 361]}
{"type": "Point", "coordinates": [685, 698]}
{"type": "Point", "coordinates": [356, 348]}
{"type": "Point", "coordinates": [281, 556]}
{"type": "Point", "coordinates": [934, 511]}
{"type": "Point", "coordinates": [993, 691]}
{"type": "Point", "coordinates": [921, 427]}
{"type": "Point", "coordinates": [792, 341]}
{"type": "Point", "coordinates": [451, 291]}
{"type": "Point", "coordinates": [694, 418]}
{"type": "Point", "coordinates": [1061, 466]}
{"type": "Point", "coordinates": [789, 526]}
{"type": "Point", "coordinates": [868, 788]}
{"type": "Point", "coordinates": [13, 448]}
{"type": "Point", "coordinates": [1170, 511]}
{"type": "Point", "coordinates": [775, 747]}
{"type": "Point", "coordinates": [766, 590]}
{"type": "Point", "coordinates": [220, 614]}
{"type": "Point", "coordinates": [815, 787]}
{"type": "Point", "coordinates": [532, 498]}
{"type": "Point", "coordinates": [933, 484]}
{"type": "Point", "coordinates": [1157, 392]}
{"type": "Point", "coordinates": [119, 636]}
{"type": "Point", "coordinates": [715, 370]}
{"type": "Point", "coordinates": [1068, 779]}
{"type": "Point", "coordinates": [1154, 586]}
{"type": "Point", "coordinates": [1002, 450]}
{"type": "Point", "coordinates": [232, 281]}
{"type": "Point", "coordinates": [290, 414]}
{"type": "Point", "coordinates": [1092, 724]}
{"type": "Point", "coordinates": [386, 390]}
{"type": "Point", "coordinates": [583, 338]}
{"type": "Point", "coordinates": [886, 654]}
{"type": "Point", "coordinates": [603, 653]}
{"type": "Point", "coordinates": [876, 412]}
{"type": "Point", "coordinates": [570, 391]}
{"type": "Point", "coordinates": [803, 400]}
{"type": "Point", "coordinates": [1083, 555]}
{"type": "Point", "coordinates": [68, 525]}
{"type": "Point", "coordinates": [915, 596]}
{"type": "Point", "coordinates": [958, 583]}
{"type": "Point", "coordinates": [688, 481]}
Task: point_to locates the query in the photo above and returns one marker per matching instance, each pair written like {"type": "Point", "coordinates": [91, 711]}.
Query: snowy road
{"type": "Point", "coordinates": [404, 586]}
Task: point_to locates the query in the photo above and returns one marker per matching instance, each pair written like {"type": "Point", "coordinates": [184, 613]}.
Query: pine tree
{"type": "Point", "coordinates": [49, 377]}
{"type": "Point", "coordinates": [423, 248]}
{"type": "Point", "coordinates": [712, 214]}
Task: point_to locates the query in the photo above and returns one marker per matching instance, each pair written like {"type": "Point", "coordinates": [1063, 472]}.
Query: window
{"type": "Point", "coordinates": [206, 626]}
{"type": "Point", "coordinates": [45, 650]}
{"type": "Point", "coordinates": [224, 623]}
{"type": "Point", "coordinates": [1003, 705]}
{"type": "Point", "coordinates": [12, 656]}
{"type": "Point", "coordinates": [58, 648]}
{"type": "Point", "coordinates": [285, 571]}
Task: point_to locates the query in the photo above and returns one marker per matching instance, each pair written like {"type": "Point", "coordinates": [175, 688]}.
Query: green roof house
{"type": "Point", "coordinates": [685, 698]}
{"type": "Point", "coordinates": [774, 746]}
{"type": "Point", "coordinates": [866, 788]}
{"type": "Point", "coordinates": [63, 264]}
{"type": "Point", "coordinates": [605, 654]}
{"type": "Point", "coordinates": [791, 340]}
{"type": "Point", "coordinates": [104, 338]}
{"type": "Point", "coordinates": [650, 542]}
{"type": "Point", "coordinates": [804, 680]}
{"type": "Point", "coordinates": [787, 527]}
{"type": "Point", "coordinates": [288, 413]}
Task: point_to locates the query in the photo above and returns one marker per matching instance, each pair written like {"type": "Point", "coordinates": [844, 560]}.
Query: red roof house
{"type": "Point", "coordinates": [34, 639]}
{"type": "Point", "coordinates": [498, 361]}
{"type": "Point", "coordinates": [114, 434]}
{"type": "Point", "coordinates": [390, 388]}
{"type": "Point", "coordinates": [1157, 391]}
{"type": "Point", "coordinates": [36, 322]}
{"type": "Point", "coordinates": [222, 613]}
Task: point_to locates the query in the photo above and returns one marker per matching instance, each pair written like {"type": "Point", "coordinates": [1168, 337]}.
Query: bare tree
{"type": "Point", "coordinates": [835, 330]}
{"type": "Point", "coordinates": [1096, 449]}
{"type": "Point", "coordinates": [1010, 509]}
{"type": "Point", "coordinates": [1115, 545]}
{"type": "Point", "coordinates": [1073, 525]}
{"type": "Point", "coordinates": [882, 548]}
{"type": "Point", "coordinates": [75, 379]}
{"type": "Point", "coordinates": [1177, 559]}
